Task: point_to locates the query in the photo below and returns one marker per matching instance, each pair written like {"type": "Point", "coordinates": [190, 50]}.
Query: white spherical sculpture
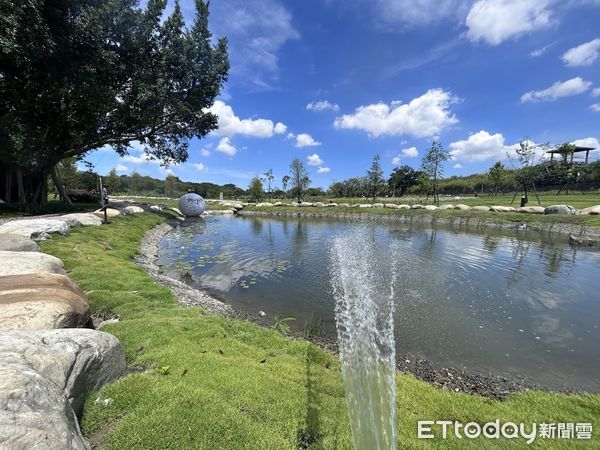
{"type": "Point", "coordinates": [192, 205]}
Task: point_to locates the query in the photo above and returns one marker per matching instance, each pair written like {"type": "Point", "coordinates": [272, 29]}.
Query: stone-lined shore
{"type": "Point", "coordinates": [468, 381]}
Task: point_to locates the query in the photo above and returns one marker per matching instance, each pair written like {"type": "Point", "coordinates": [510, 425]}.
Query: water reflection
{"type": "Point", "coordinates": [508, 303]}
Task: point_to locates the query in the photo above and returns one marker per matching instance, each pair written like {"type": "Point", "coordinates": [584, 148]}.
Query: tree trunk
{"type": "Point", "coordinates": [60, 187]}
{"type": "Point", "coordinates": [20, 190]}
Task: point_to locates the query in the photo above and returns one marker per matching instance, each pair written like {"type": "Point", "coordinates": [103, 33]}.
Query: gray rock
{"type": "Point", "coordinates": [17, 243]}
{"type": "Point", "coordinates": [41, 301]}
{"type": "Point", "coordinates": [365, 205]}
{"type": "Point", "coordinates": [403, 206]}
{"type": "Point", "coordinates": [156, 208]}
{"type": "Point", "coordinates": [319, 205]}
{"type": "Point", "coordinates": [82, 219]}
{"type": "Point", "coordinates": [110, 212]}
{"type": "Point", "coordinates": [480, 208]}
{"type": "Point", "coordinates": [132, 209]}
{"type": "Point", "coordinates": [44, 381]}
{"type": "Point", "coordinates": [502, 209]}
{"type": "Point", "coordinates": [377, 205]}
{"type": "Point", "coordinates": [447, 207]}
{"type": "Point", "coordinates": [390, 206]}
{"type": "Point", "coordinates": [531, 209]}
{"type": "Point", "coordinates": [19, 263]}
{"type": "Point", "coordinates": [264, 205]}
{"type": "Point", "coordinates": [294, 204]}
{"type": "Point", "coordinates": [417, 206]}
{"type": "Point", "coordinates": [279, 204]}
{"type": "Point", "coordinates": [305, 204]}
{"type": "Point", "coordinates": [430, 207]}
{"type": "Point", "coordinates": [331, 205]}
{"type": "Point", "coordinates": [221, 212]}
{"type": "Point", "coordinates": [344, 205]}
{"type": "Point", "coordinates": [584, 241]}
{"type": "Point", "coordinates": [560, 209]}
{"type": "Point", "coordinates": [461, 207]}
{"type": "Point", "coordinates": [592, 210]}
{"type": "Point", "coordinates": [36, 229]}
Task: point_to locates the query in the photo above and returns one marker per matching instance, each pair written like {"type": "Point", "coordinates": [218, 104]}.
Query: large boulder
{"type": "Point", "coordinates": [264, 205]}
{"type": "Point", "coordinates": [344, 205]}
{"type": "Point", "coordinates": [319, 204]}
{"type": "Point", "coordinates": [156, 208]}
{"type": "Point", "coordinates": [480, 208]}
{"type": "Point", "coordinates": [592, 210]}
{"type": "Point", "coordinates": [132, 209]}
{"type": "Point", "coordinates": [19, 263]}
{"type": "Point", "coordinates": [45, 378]}
{"type": "Point", "coordinates": [531, 209]}
{"type": "Point", "coordinates": [17, 243]}
{"type": "Point", "coordinates": [403, 206]}
{"type": "Point", "coordinates": [377, 205]}
{"type": "Point", "coordinates": [390, 206]}
{"type": "Point", "coordinates": [331, 205]}
{"type": "Point", "coordinates": [502, 209]}
{"type": "Point", "coordinates": [41, 301]}
{"type": "Point", "coordinates": [430, 207]}
{"type": "Point", "coordinates": [461, 207]}
{"type": "Point", "coordinates": [560, 209]}
{"type": "Point", "coordinates": [447, 207]}
{"type": "Point", "coordinates": [417, 206]}
{"type": "Point", "coordinates": [305, 204]}
{"type": "Point", "coordinates": [365, 205]}
{"type": "Point", "coordinates": [82, 219]}
{"type": "Point", "coordinates": [110, 212]}
{"type": "Point", "coordinates": [36, 229]}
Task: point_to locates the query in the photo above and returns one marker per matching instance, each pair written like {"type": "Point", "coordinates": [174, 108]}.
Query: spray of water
{"type": "Point", "coordinates": [363, 278]}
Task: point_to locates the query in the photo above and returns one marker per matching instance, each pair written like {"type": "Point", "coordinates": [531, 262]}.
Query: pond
{"type": "Point", "coordinates": [507, 303]}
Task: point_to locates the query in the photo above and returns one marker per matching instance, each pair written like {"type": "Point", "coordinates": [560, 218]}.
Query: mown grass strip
{"type": "Point", "coordinates": [211, 382]}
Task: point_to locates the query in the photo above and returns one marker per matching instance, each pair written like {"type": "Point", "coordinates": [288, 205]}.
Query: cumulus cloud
{"type": "Point", "coordinates": [225, 146]}
{"type": "Point", "coordinates": [410, 152]}
{"type": "Point", "coordinates": [280, 128]}
{"type": "Point", "coordinates": [324, 170]}
{"type": "Point", "coordinates": [322, 106]}
{"type": "Point", "coordinates": [582, 55]}
{"type": "Point", "coordinates": [559, 89]}
{"type": "Point", "coordinates": [314, 160]}
{"type": "Point", "coordinates": [200, 167]}
{"type": "Point", "coordinates": [596, 92]}
{"type": "Point", "coordinates": [483, 146]}
{"type": "Point", "coordinates": [143, 158]}
{"type": "Point", "coordinates": [457, 166]}
{"type": "Point", "coordinates": [230, 124]}
{"type": "Point", "coordinates": [587, 142]}
{"type": "Point", "coordinates": [595, 107]}
{"type": "Point", "coordinates": [306, 140]}
{"type": "Point", "coordinates": [495, 21]}
{"type": "Point", "coordinates": [205, 152]}
{"type": "Point", "coordinates": [540, 51]}
{"type": "Point", "coordinates": [424, 116]}
{"type": "Point", "coordinates": [121, 168]}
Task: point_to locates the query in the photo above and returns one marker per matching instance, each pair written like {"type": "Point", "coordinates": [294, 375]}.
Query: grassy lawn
{"type": "Point", "coordinates": [213, 383]}
{"type": "Point", "coordinates": [168, 202]}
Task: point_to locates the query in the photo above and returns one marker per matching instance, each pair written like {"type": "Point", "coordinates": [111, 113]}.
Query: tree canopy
{"type": "Point", "coordinates": [77, 75]}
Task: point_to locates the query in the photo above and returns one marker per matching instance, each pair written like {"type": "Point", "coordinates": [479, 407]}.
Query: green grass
{"type": "Point", "coordinates": [211, 382]}
{"type": "Point", "coordinates": [168, 202]}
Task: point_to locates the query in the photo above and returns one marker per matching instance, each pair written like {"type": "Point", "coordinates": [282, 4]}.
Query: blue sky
{"type": "Point", "coordinates": [334, 82]}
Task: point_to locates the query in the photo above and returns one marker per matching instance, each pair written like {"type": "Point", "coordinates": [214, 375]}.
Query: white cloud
{"type": "Point", "coordinates": [205, 152]}
{"type": "Point", "coordinates": [143, 158]}
{"type": "Point", "coordinates": [306, 140]}
{"type": "Point", "coordinates": [256, 30]}
{"type": "Point", "coordinates": [495, 21]}
{"type": "Point", "coordinates": [424, 116]}
{"type": "Point", "coordinates": [596, 92]}
{"type": "Point", "coordinates": [559, 89]}
{"type": "Point", "coordinates": [324, 170]}
{"type": "Point", "coordinates": [280, 128]}
{"type": "Point", "coordinates": [200, 167]}
{"type": "Point", "coordinates": [582, 55]}
{"type": "Point", "coordinates": [290, 136]}
{"type": "Point", "coordinates": [314, 160]}
{"type": "Point", "coordinates": [595, 107]}
{"type": "Point", "coordinates": [230, 124]}
{"type": "Point", "coordinates": [458, 166]}
{"type": "Point", "coordinates": [587, 142]}
{"type": "Point", "coordinates": [225, 146]}
{"type": "Point", "coordinates": [322, 106]}
{"type": "Point", "coordinates": [483, 146]}
{"type": "Point", "coordinates": [410, 13]}
{"type": "Point", "coordinates": [479, 146]}
{"type": "Point", "coordinates": [540, 51]}
{"type": "Point", "coordinates": [410, 152]}
{"type": "Point", "coordinates": [121, 168]}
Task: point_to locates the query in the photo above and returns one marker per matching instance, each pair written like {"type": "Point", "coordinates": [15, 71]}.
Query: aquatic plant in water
{"type": "Point", "coordinates": [364, 290]}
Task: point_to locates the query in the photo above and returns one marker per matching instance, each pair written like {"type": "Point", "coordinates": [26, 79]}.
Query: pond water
{"type": "Point", "coordinates": [501, 303]}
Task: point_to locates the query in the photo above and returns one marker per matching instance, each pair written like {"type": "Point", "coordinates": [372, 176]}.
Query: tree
{"type": "Point", "coordinates": [269, 178]}
{"type": "Point", "coordinates": [112, 182]}
{"type": "Point", "coordinates": [170, 184]}
{"type": "Point", "coordinates": [497, 175]}
{"type": "Point", "coordinates": [375, 180]}
{"type": "Point", "coordinates": [403, 178]}
{"type": "Point", "coordinates": [299, 179]}
{"type": "Point", "coordinates": [77, 75]}
{"type": "Point", "coordinates": [284, 182]}
{"type": "Point", "coordinates": [526, 156]}
{"type": "Point", "coordinates": [255, 190]}
{"type": "Point", "coordinates": [432, 166]}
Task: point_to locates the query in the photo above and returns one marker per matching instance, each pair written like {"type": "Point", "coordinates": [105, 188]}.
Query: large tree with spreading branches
{"type": "Point", "coordinates": [78, 75]}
